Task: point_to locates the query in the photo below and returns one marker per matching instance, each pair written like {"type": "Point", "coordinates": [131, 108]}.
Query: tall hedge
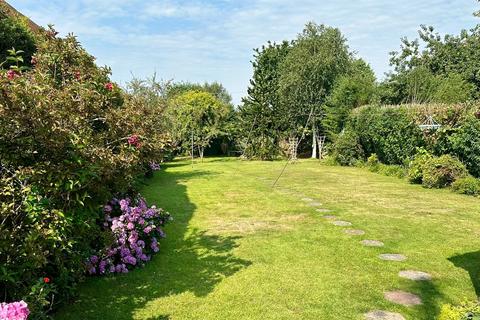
{"type": "Point", "coordinates": [390, 133]}
{"type": "Point", "coordinates": [465, 144]}
{"type": "Point", "coordinates": [393, 132]}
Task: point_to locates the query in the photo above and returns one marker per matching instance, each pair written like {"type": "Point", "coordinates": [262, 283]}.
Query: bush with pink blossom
{"type": "Point", "coordinates": [14, 311]}
{"type": "Point", "coordinates": [136, 229]}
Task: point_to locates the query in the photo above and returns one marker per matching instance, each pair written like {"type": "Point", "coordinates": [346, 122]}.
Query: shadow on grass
{"type": "Point", "coordinates": [470, 262]}
{"type": "Point", "coordinates": [431, 299]}
{"type": "Point", "coordinates": [189, 260]}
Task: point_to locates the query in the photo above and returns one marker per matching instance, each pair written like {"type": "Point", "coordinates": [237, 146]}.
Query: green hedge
{"type": "Point", "coordinates": [394, 135]}
{"type": "Point", "coordinates": [388, 132]}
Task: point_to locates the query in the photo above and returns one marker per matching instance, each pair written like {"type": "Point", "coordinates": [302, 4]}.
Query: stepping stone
{"type": "Point", "coordinates": [415, 275]}
{"type": "Point", "coordinates": [354, 232]}
{"type": "Point", "coordinates": [315, 204]}
{"type": "Point", "coordinates": [341, 223]}
{"type": "Point", "coordinates": [307, 199]}
{"type": "Point", "coordinates": [324, 210]}
{"type": "Point", "coordinates": [392, 257]}
{"type": "Point", "coordinates": [330, 217]}
{"type": "Point", "coordinates": [372, 243]}
{"type": "Point", "coordinates": [404, 298]}
{"type": "Point", "coordinates": [383, 315]}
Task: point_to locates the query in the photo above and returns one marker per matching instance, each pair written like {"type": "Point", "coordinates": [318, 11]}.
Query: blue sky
{"type": "Point", "coordinates": [199, 40]}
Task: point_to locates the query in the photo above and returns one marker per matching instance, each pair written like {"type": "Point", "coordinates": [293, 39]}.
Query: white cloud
{"type": "Point", "coordinates": [174, 9]}
{"type": "Point", "coordinates": [213, 40]}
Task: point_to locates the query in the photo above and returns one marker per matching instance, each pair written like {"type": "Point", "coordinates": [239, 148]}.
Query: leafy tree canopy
{"type": "Point", "coordinates": [199, 116]}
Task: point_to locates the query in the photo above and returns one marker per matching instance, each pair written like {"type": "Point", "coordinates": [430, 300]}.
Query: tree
{"type": "Point", "coordinates": [214, 88]}
{"type": "Point", "coordinates": [308, 74]}
{"type": "Point", "coordinates": [260, 118]}
{"type": "Point", "coordinates": [199, 117]}
{"type": "Point", "coordinates": [443, 61]}
{"type": "Point", "coordinates": [352, 90]}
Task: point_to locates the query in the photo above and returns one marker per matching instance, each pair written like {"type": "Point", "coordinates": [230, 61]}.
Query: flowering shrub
{"type": "Point", "coordinates": [154, 166]}
{"type": "Point", "coordinates": [136, 231]}
{"type": "Point", "coordinates": [69, 140]}
{"type": "Point", "coordinates": [14, 311]}
{"type": "Point", "coordinates": [134, 141]}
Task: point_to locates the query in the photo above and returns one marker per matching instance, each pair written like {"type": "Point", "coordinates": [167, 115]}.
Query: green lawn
{"type": "Point", "coordinates": [239, 249]}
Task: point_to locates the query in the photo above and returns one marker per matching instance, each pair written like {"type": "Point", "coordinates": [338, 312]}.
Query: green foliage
{"type": "Point", "coordinates": [469, 186]}
{"type": "Point", "coordinates": [69, 140]}
{"type": "Point", "coordinates": [15, 34]}
{"type": "Point", "coordinates": [465, 311]}
{"type": "Point", "coordinates": [151, 115]}
{"type": "Point", "coordinates": [309, 73]}
{"type": "Point", "coordinates": [441, 172]}
{"type": "Point", "coordinates": [421, 85]}
{"type": "Point", "coordinates": [290, 86]}
{"type": "Point", "coordinates": [453, 89]}
{"type": "Point", "coordinates": [417, 165]}
{"type": "Point", "coordinates": [347, 149]}
{"type": "Point", "coordinates": [465, 144]}
{"type": "Point", "coordinates": [262, 122]}
{"type": "Point", "coordinates": [216, 89]}
{"type": "Point", "coordinates": [374, 165]}
{"type": "Point", "coordinates": [373, 162]}
{"type": "Point", "coordinates": [199, 116]}
{"type": "Point", "coordinates": [351, 91]}
{"type": "Point", "coordinates": [446, 71]}
{"type": "Point", "coordinates": [388, 132]}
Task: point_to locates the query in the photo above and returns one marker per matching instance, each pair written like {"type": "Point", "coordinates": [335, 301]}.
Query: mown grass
{"type": "Point", "coordinates": [239, 249]}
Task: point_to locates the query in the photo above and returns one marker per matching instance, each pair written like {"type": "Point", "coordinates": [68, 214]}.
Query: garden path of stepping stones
{"type": "Point", "coordinates": [396, 296]}
{"type": "Point", "coordinates": [354, 232]}
{"type": "Point", "coordinates": [404, 298]}
{"type": "Point", "coordinates": [415, 275]}
{"type": "Point", "coordinates": [372, 243]}
{"type": "Point", "coordinates": [383, 315]}
{"type": "Point", "coordinates": [341, 223]}
{"type": "Point", "coordinates": [392, 257]}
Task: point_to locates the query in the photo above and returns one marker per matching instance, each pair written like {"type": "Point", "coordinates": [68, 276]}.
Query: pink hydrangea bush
{"type": "Point", "coordinates": [14, 311]}
{"type": "Point", "coordinates": [136, 230]}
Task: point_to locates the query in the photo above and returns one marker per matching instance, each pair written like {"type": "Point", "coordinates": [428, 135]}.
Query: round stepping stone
{"type": "Point", "coordinates": [415, 275]}
{"type": "Point", "coordinates": [372, 243]}
{"type": "Point", "coordinates": [330, 217]}
{"type": "Point", "coordinates": [323, 210]}
{"type": "Point", "coordinates": [404, 298]}
{"type": "Point", "coordinates": [354, 232]}
{"type": "Point", "coordinates": [341, 223]}
{"type": "Point", "coordinates": [307, 199]}
{"type": "Point", "coordinates": [383, 315]}
{"type": "Point", "coordinates": [392, 257]}
{"type": "Point", "coordinates": [315, 204]}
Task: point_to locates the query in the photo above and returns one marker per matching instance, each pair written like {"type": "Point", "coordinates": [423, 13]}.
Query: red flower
{"type": "Point", "coordinates": [11, 74]}
{"type": "Point", "coordinates": [46, 280]}
{"type": "Point", "coordinates": [34, 61]}
{"type": "Point", "coordinates": [77, 75]}
{"type": "Point", "coordinates": [134, 140]}
{"type": "Point", "coordinates": [109, 86]}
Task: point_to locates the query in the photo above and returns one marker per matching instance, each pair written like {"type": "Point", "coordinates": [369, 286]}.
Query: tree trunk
{"type": "Point", "coordinates": [200, 150]}
{"type": "Point", "coordinates": [314, 144]}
